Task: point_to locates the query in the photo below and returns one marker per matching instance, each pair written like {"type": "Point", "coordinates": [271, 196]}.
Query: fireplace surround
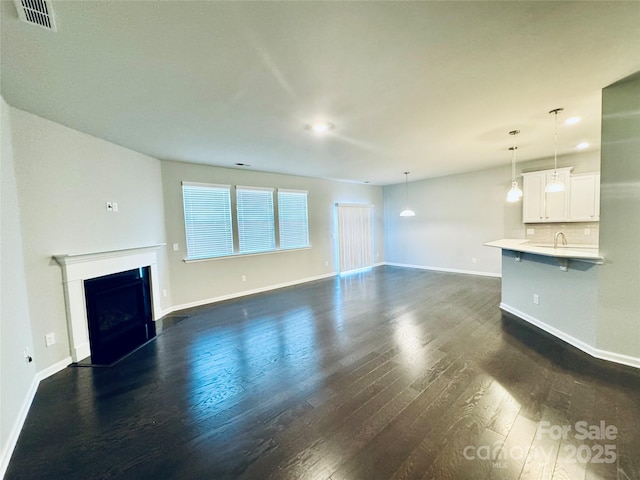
{"type": "Point", "coordinates": [78, 267]}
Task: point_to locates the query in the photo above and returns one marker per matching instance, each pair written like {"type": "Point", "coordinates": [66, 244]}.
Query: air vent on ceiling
{"type": "Point", "coordinates": [36, 12]}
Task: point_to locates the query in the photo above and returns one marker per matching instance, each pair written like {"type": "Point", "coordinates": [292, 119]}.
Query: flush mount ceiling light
{"type": "Point", "coordinates": [407, 212]}
{"type": "Point", "coordinates": [555, 185]}
{"type": "Point", "coordinates": [582, 145]}
{"type": "Point", "coordinates": [515, 193]}
{"type": "Point", "coordinates": [572, 120]}
{"type": "Point", "coordinates": [320, 127]}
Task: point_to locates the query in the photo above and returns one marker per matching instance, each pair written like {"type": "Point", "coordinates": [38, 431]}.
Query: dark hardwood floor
{"type": "Point", "coordinates": [391, 374]}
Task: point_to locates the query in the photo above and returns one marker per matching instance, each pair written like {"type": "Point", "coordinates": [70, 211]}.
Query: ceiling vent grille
{"type": "Point", "coordinates": [36, 12]}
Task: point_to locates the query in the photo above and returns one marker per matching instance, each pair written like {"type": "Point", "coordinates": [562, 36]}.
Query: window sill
{"type": "Point", "coordinates": [242, 255]}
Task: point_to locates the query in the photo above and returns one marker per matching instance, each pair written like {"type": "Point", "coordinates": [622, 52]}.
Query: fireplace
{"type": "Point", "coordinates": [79, 270]}
{"type": "Point", "coordinates": [119, 314]}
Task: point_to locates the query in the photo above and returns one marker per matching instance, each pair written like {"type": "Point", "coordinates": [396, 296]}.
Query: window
{"type": "Point", "coordinates": [256, 231]}
{"type": "Point", "coordinates": [207, 218]}
{"type": "Point", "coordinates": [293, 221]}
{"type": "Point", "coordinates": [212, 231]}
{"type": "Point", "coordinates": [355, 237]}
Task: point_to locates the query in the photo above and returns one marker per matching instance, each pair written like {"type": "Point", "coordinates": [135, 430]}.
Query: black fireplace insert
{"type": "Point", "coordinates": [119, 314]}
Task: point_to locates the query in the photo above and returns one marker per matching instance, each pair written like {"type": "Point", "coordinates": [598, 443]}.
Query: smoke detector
{"type": "Point", "coordinates": [36, 12]}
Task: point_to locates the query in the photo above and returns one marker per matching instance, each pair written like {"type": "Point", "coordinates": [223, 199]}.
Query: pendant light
{"type": "Point", "coordinates": [555, 185]}
{"type": "Point", "coordinates": [407, 212]}
{"type": "Point", "coordinates": [515, 193]}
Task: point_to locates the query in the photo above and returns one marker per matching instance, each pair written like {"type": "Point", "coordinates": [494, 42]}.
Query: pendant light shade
{"type": "Point", "coordinates": [555, 184]}
{"type": "Point", "coordinates": [515, 193]}
{"type": "Point", "coordinates": [407, 212]}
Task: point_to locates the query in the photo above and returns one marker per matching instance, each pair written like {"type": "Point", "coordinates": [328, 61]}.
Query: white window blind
{"type": "Point", "coordinates": [355, 234]}
{"type": "Point", "coordinates": [293, 220]}
{"type": "Point", "coordinates": [256, 226]}
{"type": "Point", "coordinates": [207, 217]}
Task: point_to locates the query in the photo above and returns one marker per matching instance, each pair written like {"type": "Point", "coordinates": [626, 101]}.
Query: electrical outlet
{"type": "Point", "coordinates": [530, 231]}
{"type": "Point", "coordinates": [587, 231]}
{"type": "Point", "coordinates": [243, 278]}
{"type": "Point", "coordinates": [164, 293]}
{"type": "Point", "coordinates": [50, 339]}
{"type": "Point", "coordinates": [115, 206]}
{"type": "Point", "coordinates": [536, 299]}
{"type": "Point", "coordinates": [474, 260]}
{"type": "Point", "coordinates": [326, 263]}
{"type": "Point", "coordinates": [176, 247]}
{"type": "Point", "coordinates": [109, 206]}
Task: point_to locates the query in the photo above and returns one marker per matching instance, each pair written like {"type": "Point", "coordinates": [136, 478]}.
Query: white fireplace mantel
{"type": "Point", "coordinates": [78, 267]}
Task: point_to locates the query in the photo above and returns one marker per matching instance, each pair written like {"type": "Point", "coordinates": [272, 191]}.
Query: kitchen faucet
{"type": "Point", "coordinates": [555, 239]}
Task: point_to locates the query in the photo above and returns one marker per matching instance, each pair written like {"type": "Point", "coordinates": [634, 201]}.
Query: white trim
{"type": "Point", "coordinates": [53, 369]}
{"type": "Point", "coordinates": [69, 258]}
{"type": "Point", "coordinates": [448, 270]}
{"type": "Point", "coordinates": [585, 347]}
{"type": "Point", "coordinates": [368, 205]}
{"type": "Point", "coordinates": [78, 268]}
{"type": "Point", "coordinates": [199, 184]}
{"type": "Point", "coordinates": [289, 190]}
{"type": "Point", "coordinates": [237, 255]}
{"type": "Point", "coordinates": [12, 440]}
{"type": "Point", "coordinates": [247, 187]}
{"type": "Point", "coordinates": [244, 293]}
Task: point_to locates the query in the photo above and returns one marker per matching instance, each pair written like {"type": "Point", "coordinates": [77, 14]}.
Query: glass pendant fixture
{"type": "Point", "coordinates": [407, 212]}
{"type": "Point", "coordinates": [515, 193]}
{"type": "Point", "coordinates": [555, 184]}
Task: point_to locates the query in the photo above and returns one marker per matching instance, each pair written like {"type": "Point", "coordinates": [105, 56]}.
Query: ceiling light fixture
{"type": "Point", "coordinates": [572, 120]}
{"type": "Point", "coordinates": [555, 185]}
{"type": "Point", "coordinates": [515, 193]}
{"type": "Point", "coordinates": [407, 212]}
{"type": "Point", "coordinates": [582, 145]}
{"type": "Point", "coordinates": [320, 127]}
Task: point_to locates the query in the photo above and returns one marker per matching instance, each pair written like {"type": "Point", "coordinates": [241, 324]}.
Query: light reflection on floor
{"type": "Point", "coordinates": [264, 350]}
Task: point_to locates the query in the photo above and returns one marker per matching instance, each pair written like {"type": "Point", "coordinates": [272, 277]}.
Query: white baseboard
{"type": "Point", "coordinates": [10, 444]}
{"type": "Point", "coordinates": [579, 344]}
{"type": "Point", "coordinates": [244, 293]}
{"type": "Point", "coordinates": [55, 368]}
{"type": "Point", "coordinates": [12, 440]}
{"type": "Point", "coordinates": [448, 270]}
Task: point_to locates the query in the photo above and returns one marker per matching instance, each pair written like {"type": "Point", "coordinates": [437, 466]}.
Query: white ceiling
{"type": "Point", "coordinates": [429, 87]}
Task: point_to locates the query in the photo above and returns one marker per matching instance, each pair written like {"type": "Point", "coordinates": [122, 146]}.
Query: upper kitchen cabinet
{"type": "Point", "coordinates": [539, 206]}
{"type": "Point", "coordinates": [584, 198]}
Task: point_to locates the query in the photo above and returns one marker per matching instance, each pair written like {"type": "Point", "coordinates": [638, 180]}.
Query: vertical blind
{"type": "Point", "coordinates": [207, 218]}
{"type": "Point", "coordinates": [293, 220]}
{"type": "Point", "coordinates": [256, 227]}
{"type": "Point", "coordinates": [355, 236]}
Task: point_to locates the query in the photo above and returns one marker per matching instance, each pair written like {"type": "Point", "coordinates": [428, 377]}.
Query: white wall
{"type": "Point", "coordinates": [196, 283]}
{"type": "Point", "coordinates": [63, 180]}
{"type": "Point", "coordinates": [619, 277]}
{"type": "Point", "coordinates": [568, 301]}
{"type": "Point", "coordinates": [16, 376]}
{"type": "Point", "coordinates": [455, 215]}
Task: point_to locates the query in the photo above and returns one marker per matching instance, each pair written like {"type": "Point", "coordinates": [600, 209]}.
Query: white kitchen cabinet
{"type": "Point", "coordinates": [539, 206]}
{"type": "Point", "coordinates": [584, 198]}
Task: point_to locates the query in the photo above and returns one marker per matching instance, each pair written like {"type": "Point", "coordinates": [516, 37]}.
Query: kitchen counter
{"type": "Point", "coordinates": [573, 252]}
